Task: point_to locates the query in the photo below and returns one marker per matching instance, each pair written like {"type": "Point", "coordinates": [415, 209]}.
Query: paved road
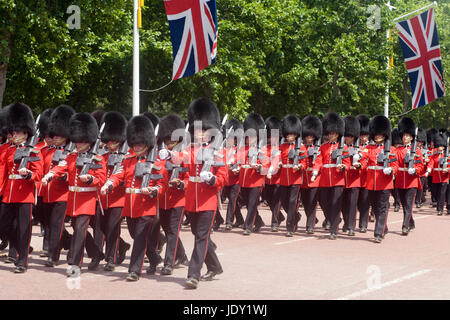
{"type": "Point", "coordinates": [271, 266]}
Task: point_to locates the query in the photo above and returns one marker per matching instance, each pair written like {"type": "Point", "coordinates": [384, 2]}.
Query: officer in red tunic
{"type": "Point", "coordinates": [438, 168]}
{"type": "Point", "coordinates": [396, 143]}
{"type": "Point", "coordinates": [141, 198]}
{"type": "Point", "coordinates": [423, 185]}
{"type": "Point", "coordinates": [21, 170]}
{"type": "Point", "coordinates": [382, 165]}
{"type": "Point", "coordinates": [363, 197]}
{"type": "Point", "coordinates": [5, 144]}
{"type": "Point", "coordinates": [331, 165]}
{"type": "Point", "coordinates": [410, 162]}
{"type": "Point", "coordinates": [251, 178]}
{"type": "Point", "coordinates": [54, 194]}
{"type": "Point", "coordinates": [431, 136]}
{"type": "Point", "coordinates": [352, 176]}
{"type": "Point", "coordinates": [171, 204]}
{"type": "Point", "coordinates": [232, 188]}
{"type": "Point", "coordinates": [86, 172]}
{"type": "Point", "coordinates": [309, 191]}
{"type": "Point", "coordinates": [207, 175]}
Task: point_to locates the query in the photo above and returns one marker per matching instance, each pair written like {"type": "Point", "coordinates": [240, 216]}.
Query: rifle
{"type": "Point", "coordinates": [384, 156]}
{"type": "Point", "coordinates": [353, 151]}
{"type": "Point", "coordinates": [337, 154]}
{"type": "Point", "coordinates": [88, 161]}
{"type": "Point", "coordinates": [410, 155]}
{"type": "Point", "coordinates": [23, 155]}
{"type": "Point", "coordinates": [231, 162]}
{"type": "Point", "coordinates": [115, 159]}
{"type": "Point", "coordinates": [314, 151]}
{"type": "Point", "coordinates": [443, 162]}
{"type": "Point", "coordinates": [176, 169]}
{"type": "Point", "coordinates": [253, 153]}
{"type": "Point", "coordinates": [61, 154]}
{"type": "Point", "coordinates": [294, 154]}
{"type": "Point", "coordinates": [143, 170]}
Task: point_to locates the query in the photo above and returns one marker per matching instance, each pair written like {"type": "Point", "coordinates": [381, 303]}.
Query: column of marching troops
{"type": "Point", "coordinates": [96, 169]}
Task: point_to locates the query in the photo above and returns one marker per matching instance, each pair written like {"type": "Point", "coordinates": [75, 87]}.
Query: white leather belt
{"type": "Point", "coordinates": [82, 189]}
{"type": "Point", "coordinates": [16, 177]}
{"type": "Point", "coordinates": [287, 165]}
{"type": "Point", "coordinates": [309, 169]}
{"type": "Point", "coordinates": [246, 166]}
{"type": "Point", "coordinates": [402, 169]}
{"type": "Point", "coordinates": [437, 169]}
{"type": "Point", "coordinates": [195, 179]}
{"type": "Point", "coordinates": [132, 190]}
{"type": "Point", "coordinates": [375, 167]}
{"type": "Point", "coordinates": [330, 165]}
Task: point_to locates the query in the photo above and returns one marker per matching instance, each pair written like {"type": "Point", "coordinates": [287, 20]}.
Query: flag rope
{"type": "Point", "coordinates": [154, 90]}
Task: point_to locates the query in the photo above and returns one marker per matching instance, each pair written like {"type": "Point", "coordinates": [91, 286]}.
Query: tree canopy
{"type": "Point", "coordinates": [274, 57]}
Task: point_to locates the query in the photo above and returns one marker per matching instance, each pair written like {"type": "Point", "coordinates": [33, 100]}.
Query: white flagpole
{"type": "Point", "coordinates": [136, 110]}
{"type": "Point", "coordinates": [426, 7]}
{"type": "Point", "coordinates": [386, 103]}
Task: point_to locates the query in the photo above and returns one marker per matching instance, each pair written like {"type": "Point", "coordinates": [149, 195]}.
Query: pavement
{"type": "Point", "coordinates": [268, 266]}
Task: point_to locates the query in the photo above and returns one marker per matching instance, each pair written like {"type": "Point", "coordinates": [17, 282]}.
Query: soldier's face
{"type": "Point", "coordinates": [309, 139]}
{"type": "Point", "coordinates": [419, 144]}
{"type": "Point", "coordinates": [170, 144]}
{"type": "Point", "coordinates": [379, 138]}
{"type": "Point", "coordinates": [59, 141]}
{"type": "Point", "coordinates": [200, 136]}
{"type": "Point", "coordinates": [406, 138]}
{"type": "Point", "coordinates": [349, 140]}
{"type": "Point", "coordinates": [291, 138]}
{"type": "Point", "coordinates": [364, 138]}
{"type": "Point", "coordinates": [19, 137]}
{"type": "Point", "coordinates": [441, 148]}
{"type": "Point", "coordinates": [82, 146]}
{"type": "Point", "coordinates": [113, 145]}
{"type": "Point", "coordinates": [48, 140]}
{"type": "Point", "coordinates": [140, 149]}
{"type": "Point", "coordinates": [333, 136]}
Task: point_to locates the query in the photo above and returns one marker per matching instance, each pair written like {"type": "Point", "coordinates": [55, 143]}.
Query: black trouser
{"type": "Point", "coordinates": [153, 236]}
{"type": "Point", "coordinates": [139, 229]}
{"type": "Point", "coordinates": [420, 195]}
{"type": "Point", "coordinates": [407, 199]}
{"type": "Point", "coordinates": [332, 202]}
{"type": "Point", "coordinates": [109, 224]}
{"type": "Point", "coordinates": [251, 200]}
{"type": "Point", "coordinates": [41, 213]}
{"type": "Point", "coordinates": [379, 200]}
{"type": "Point", "coordinates": [289, 196]}
{"type": "Point", "coordinates": [434, 190]}
{"type": "Point", "coordinates": [309, 199]}
{"type": "Point", "coordinates": [271, 194]}
{"type": "Point", "coordinates": [17, 225]}
{"type": "Point", "coordinates": [363, 207]}
{"type": "Point", "coordinates": [80, 224]}
{"type": "Point", "coordinates": [396, 198]}
{"type": "Point", "coordinates": [441, 190]}
{"type": "Point", "coordinates": [7, 229]}
{"type": "Point", "coordinates": [233, 211]}
{"type": "Point", "coordinates": [204, 247]}
{"type": "Point", "coordinates": [171, 224]}
{"type": "Point", "coordinates": [349, 203]}
{"type": "Point", "coordinates": [57, 213]}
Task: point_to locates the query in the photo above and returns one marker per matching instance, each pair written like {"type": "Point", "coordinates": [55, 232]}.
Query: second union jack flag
{"type": "Point", "coordinates": [420, 45]}
{"type": "Point", "coordinates": [193, 28]}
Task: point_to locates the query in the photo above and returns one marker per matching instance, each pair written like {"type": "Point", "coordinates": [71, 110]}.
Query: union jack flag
{"type": "Point", "coordinates": [193, 28]}
{"type": "Point", "coordinates": [420, 45]}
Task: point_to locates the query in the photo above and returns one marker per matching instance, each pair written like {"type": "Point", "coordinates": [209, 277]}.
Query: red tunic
{"type": "Point", "coordinates": [404, 180]}
{"type": "Point", "coordinates": [288, 176]}
{"type": "Point", "coordinates": [249, 177]}
{"type": "Point", "coordinates": [3, 149]}
{"type": "Point", "coordinates": [233, 178]}
{"type": "Point", "coordinates": [353, 175]}
{"type": "Point", "coordinates": [307, 173]}
{"type": "Point", "coordinates": [274, 154]}
{"type": "Point", "coordinates": [433, 167]}
{"type": "Point", "coordinates": [58, 188]}
{"type": "Point", "coordinates": [173, 197]}
{"type": "Point", "coordinates": [116, 198]}
{"type": "Point", "coordinates": [376, 179]}
{"type": "Point", "coordinates": [330, 176]}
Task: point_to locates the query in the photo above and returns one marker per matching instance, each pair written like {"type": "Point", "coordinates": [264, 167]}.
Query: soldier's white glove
{"type": "Point", "coordinates": [356, 158]}
{"type": "Point", "coordinates": [47, 178]}
{"type": "Point", "coordinates": [314, 176]}
{"type": "Point", "coordinates": [206, 176]}
{"type": "Point", "coordinates": [388, 171]}
{"type": "Point", "coordinates": [164, 154]}
{"type": "Point", "coordinates": [412, 171]}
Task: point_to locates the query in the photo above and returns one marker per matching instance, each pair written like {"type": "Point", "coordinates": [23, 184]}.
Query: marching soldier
{"type": "Point", "coordinates": [423, 185]}
{"type": "Point", "coordinates": [396, 144]}
{"type": "Point", "coordinates": [438, 168]}
{"type": "Point", "coordinates": [363, 196]}
{"type": "Point", "coordinates": [207, 175]}
{"type": "Point", "coordinates": [172, 202]}
{"type": "Point", "coordinates": [352, 176]}
{"type": "Point", "coordinates": [144, 178]}
{"type": "Point", "coordinates": [251, 179]}
{"type": "Point", "coordinates": [331, 164]}
{"type": "Point", "coordinates": [54, 194]}
{"type": "Point", "coordinates": [431, 136]}
{"type": "Point", "coordinates": [381, 168]}
{"type": "Point", "coordinates": [309, 191]}
{"type": "Point", "coordinates": [410, 162]}
{"type": "Point", "coordinates": [21, 170]}
{"type": "Point", "coordinates": [293, 161]}
{"type": "Point", "coordinates": [85, 172]}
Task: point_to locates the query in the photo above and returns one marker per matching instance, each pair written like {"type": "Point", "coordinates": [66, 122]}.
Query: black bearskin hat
{"type": "Point", "coordinates": [291, 124]}
{"type": "Point", "coordinates": [254, 121]}
{"type": "Point", "coordinates": [312, 126]}
{"type": "Point", "coordinates": [233, 123]}
{"type": "Point", "coordinates": [3, 130]}
{"type": "Point", "coordinates": [83, 128]}
{"type": "Point", "coordinates": [153, 118]}
{"type": "Point", "coordinates": [440, 140]}
{"type": "Point", "coordinates": [60, 121]}
{"type": "Point", "coordinates": [421, 135]}
{"type": "Point", "coordinates": [352, 127]}
{"type": "Point", "coordinates": [140, 130]}
{"type": "Point", "coordinates": [204, 110]}
{"type": "Point", "coordinates": [44, 122]}
{"type": "Point", "coordinates": [115, 127]}
{"type": "Point", "coordinates": [273, 123]}
{"type": "Point", "coordinates": [169, 124]}
{"type": "Point", "coordinates": [332, 122]}
{"type": "Point", "coordinates": [19, 117]}
{"type": "Point", "coordinates": [364, 122]}
{"type": "Point", "coordinates": [431, 134]}
{"type": "Point", "coordinates": [396, 138]}
{"type": "Point", "coordinates": [379, 125]}
{"type": "Point", "coordinates": [407, 125]}
{"type": "Point", "coordinates": [98, 115]}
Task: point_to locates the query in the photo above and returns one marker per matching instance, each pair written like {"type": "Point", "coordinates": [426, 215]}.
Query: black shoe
{"type": "Point", "coordinates": [333, 236]}
{"type": "Point", "coordinates": [151, 270]}
{"type": "Point", "coordinates": [309, 230]}
{"type": "Point", "coordinates": [377, 239]}
{"type": "Point", "coordinates": [363, 230]}
{"type": "Point", "coordinates": [166, 271]}
{"type": "Point", "coordinates": [20, 269]}
{"type": "Point", "coordinates": [10, 260]}
{"type": "Point", "coordinates": [228, 227]}
{"type": "Point", "coordinates": [412, 227]}
{"type": "Point", "coordinates": [351, 233]}
{"type": "Point", "coordinates": [44, 254]}
{"type": "Point", "coordinates": [440, 213]}
{"type": "Point", "coordinates": [73, 271]}
{"type": "Point", "coordinates": [405, 231]}
{"type": "Point", "coordinates": [30, 250]}
{"type": "Point", "coordinates": [109, 266]}
{"type": "Point", "coordinates": [246, 232]}
{"type": "Point", "coordinates": [123, 248]}
{"type": "Point", "coordinates": [50, 263]}
{"type": "Point", "coordinates": [210, 275]}
{"type": "Point", "coordinates": [183, 261]}
{"type": "Point", "coordinates": [418, 205]}
{"type": "Point", "coordinates": [4, 244]}
{"type": "Point", "coordinates": [191, 283]}
{"type": "Point", "coordinates": [258, 227]}
{"type": "Point", "coordinates": [93, 265]}
{"type": "Point", "coordinates": [132, 276]}
{"type": "Point", "coordinates": [289, 234]}
{"type": "Point", "coordinates": [275, 228]}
